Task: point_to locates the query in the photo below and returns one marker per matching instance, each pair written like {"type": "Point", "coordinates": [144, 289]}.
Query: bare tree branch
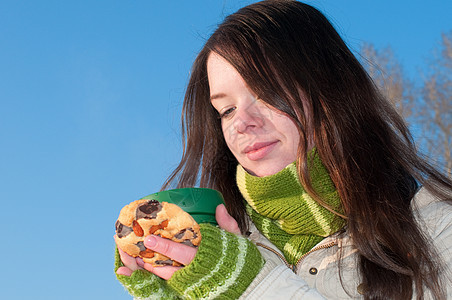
{"type": "Point", "coordinates": [388, 75]}
{"type": "Point", "coordinates": [435, 115]}
{"type": "Point", "coordinates": [428, 106]}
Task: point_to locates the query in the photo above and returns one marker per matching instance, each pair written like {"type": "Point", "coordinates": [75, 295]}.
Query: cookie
{"type": "Point", "coordinates": [143, 217]}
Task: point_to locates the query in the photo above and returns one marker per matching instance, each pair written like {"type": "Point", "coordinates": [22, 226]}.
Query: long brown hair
{"type": "Point", "coordinates": [290, 54]}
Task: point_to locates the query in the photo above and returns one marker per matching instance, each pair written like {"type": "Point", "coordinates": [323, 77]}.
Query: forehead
{"type": "Point", "coordinates": [222, 76]}
{"type": "Point", "coordinates": [217, 64]}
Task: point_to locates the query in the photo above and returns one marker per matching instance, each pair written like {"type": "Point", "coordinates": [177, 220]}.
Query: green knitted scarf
{"type": "Point", "coordinates": [285, 213]}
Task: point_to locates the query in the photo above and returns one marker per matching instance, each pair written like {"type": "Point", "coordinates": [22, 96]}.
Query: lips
{"type": "Point", "coordinates": [259, 150]}
{"type": "Point", "coordinates": [257, 146]}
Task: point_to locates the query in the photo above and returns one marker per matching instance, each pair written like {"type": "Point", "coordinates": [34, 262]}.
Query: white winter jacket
{"type": "Point", "coordinates": [316, 276]}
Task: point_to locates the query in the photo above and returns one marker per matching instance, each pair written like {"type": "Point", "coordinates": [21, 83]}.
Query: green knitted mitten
{"type": "Point", "coordinates": [223, 268]}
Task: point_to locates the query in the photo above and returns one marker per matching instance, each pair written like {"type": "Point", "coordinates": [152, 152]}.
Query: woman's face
{"type": "Point", "coordinates": [262, 139]}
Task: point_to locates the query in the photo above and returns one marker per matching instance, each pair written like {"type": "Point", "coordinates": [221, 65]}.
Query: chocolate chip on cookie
{"type": "Point", "coordinates": [122, 230]}
{"type": "Point", "coordinates": [148, 210]}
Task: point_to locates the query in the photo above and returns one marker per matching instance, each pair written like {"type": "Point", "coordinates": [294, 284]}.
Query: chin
{"type": "Point", "coordinates": [263, 170]}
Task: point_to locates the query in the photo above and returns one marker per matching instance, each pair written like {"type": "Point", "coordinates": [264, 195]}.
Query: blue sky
{"type": "Point", "coordinates": [90, 99]}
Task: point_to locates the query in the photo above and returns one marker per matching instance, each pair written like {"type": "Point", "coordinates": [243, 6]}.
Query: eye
{"type": "Point", "coordinates": [227, 112]}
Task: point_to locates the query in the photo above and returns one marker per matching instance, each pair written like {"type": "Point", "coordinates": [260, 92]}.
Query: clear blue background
{"type": "Point", "coordinates": [90, 100]}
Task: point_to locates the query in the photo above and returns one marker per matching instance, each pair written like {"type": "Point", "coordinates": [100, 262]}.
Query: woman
{"type": "Point", "coordinates": [325, 194]}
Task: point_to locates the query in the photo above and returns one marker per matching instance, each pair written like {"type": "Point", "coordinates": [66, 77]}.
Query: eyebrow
{"type": "Point", "coordinates": [216, 96]}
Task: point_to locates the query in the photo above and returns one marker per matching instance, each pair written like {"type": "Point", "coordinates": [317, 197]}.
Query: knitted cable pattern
{"type": "Point", "coordinates": [285, 213]}
{"type": "Point", "coordinates": [224, 266]}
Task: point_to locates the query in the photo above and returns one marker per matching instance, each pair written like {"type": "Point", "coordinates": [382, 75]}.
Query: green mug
{"type": "Point", "coordinates": [200, 203]}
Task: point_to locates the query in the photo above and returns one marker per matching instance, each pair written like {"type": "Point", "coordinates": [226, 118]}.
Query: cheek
{"type": "Point", "coordinates": [234, 140]}
{"type": "Point", "coordinates": [289, 130]}
{"type": "Point", "coordinates": [295, 138]}
{"type": "Point", "coordinates": [294, 134]}
{"type": "Point", "coordinates": [229, 136]}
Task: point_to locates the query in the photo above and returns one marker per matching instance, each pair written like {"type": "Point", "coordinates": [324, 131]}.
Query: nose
{"type": "Point", "coordinates": [248, 118]}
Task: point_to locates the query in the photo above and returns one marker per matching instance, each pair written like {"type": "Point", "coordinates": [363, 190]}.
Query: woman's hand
{"type": "Point", "coordinates": [179, 252]}
{"type": "Point", "coordinates": [130, 264]}
{"type": "Point", "coordinates": [176, 251]}
{"type": "Point", "coordinates": [225, 221]}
